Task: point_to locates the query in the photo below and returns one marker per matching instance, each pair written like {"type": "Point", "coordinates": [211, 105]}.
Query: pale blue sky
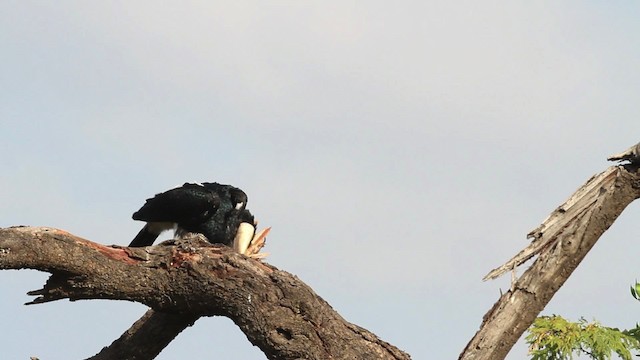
{"type": "Point", "coordinates": [399, 151]}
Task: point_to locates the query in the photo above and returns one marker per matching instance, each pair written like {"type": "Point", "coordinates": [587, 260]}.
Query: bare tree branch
{"type": "Point", "coordinates": [561, 242]}
{"type": "Point", "coordinates": [632, 155]}
{"type": "Point", "coordinates": [147, 337]}
{"type": "Point", "coordinates": [277, 312]}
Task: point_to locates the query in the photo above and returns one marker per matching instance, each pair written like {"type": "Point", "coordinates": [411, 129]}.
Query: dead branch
{"type": "Point", "coordinates": [184, 280]}
{"type": "Point", "coordinates": [632, 155]}
{"type": "Point", "coordinates": [561, 242]}
{"type": "Point", "coordinates": [154, 330]}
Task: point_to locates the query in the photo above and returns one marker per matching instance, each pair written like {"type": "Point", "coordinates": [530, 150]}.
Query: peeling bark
{"type": "Point", "coordinates": [561, 242]}
{"type": "Point", "coordinates": [183, 280]}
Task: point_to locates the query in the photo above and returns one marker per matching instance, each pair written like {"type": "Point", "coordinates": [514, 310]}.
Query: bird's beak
{"type": "Point", "coordinates": [243, 237]}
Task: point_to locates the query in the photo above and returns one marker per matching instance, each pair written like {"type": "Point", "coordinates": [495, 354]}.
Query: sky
{"type": "Point", "coordinates": [398, 151]}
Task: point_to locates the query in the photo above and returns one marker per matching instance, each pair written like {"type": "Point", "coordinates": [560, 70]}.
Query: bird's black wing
{"type": "Point", "coordinates": [188, 204]}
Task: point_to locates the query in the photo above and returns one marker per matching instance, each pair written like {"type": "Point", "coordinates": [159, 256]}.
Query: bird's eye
{"type": "Point", "coordinates": [239, 205]}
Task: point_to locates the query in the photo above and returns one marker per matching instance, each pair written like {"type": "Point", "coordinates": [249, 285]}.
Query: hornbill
{"type": "Point", "coordinates": [214, 210]}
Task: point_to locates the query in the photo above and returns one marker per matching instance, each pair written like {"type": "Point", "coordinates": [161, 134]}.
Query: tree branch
{"type": "Point", "coordinates": [277, 312]}
{"type": "Point", "coordinates": [147, 337]}
{"type": "Point", "coordinates": [561, 242]}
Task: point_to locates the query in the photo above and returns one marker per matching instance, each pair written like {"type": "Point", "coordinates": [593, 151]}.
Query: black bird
{"type": "Point", "coordinates": [214, 210]}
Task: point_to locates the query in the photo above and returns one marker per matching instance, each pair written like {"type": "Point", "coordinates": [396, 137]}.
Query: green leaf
{"type": "Point", "coordinates": [553, 337]}
{"type": "Point", "coordinates": [635, 291]}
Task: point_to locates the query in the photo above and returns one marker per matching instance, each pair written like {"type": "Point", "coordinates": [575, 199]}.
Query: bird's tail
{"type": "Point", "coordinates": [149, 234]}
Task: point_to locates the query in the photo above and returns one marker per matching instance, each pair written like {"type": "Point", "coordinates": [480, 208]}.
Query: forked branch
{"type": "Point", "coordinates": [560, 242]}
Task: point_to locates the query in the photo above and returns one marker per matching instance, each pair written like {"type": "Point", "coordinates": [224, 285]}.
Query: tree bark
{"type": "Point", "coordinates": [154, 330]}
{"type": "Point", "coordinates": [561, 242]}
{"type": "Point", "coordinates": [183, 280]}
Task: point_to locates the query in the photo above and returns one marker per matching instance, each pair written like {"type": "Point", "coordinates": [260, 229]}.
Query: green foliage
{"type": "Point", "coordinates": [554, 338]}
{"type": "Point", "coordinates": [635, 291]}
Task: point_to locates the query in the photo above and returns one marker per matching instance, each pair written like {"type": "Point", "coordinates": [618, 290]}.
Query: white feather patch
{"type": "Point", "coordinates": [159, 227]}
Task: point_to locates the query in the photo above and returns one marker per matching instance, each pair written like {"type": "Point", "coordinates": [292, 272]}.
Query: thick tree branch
{"type": "Point", "coordinates": [277, 312]}
{"type": "Point", "coordinates": [147, 337]}
{"type": "Point", "coordinates": [561, 242]}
